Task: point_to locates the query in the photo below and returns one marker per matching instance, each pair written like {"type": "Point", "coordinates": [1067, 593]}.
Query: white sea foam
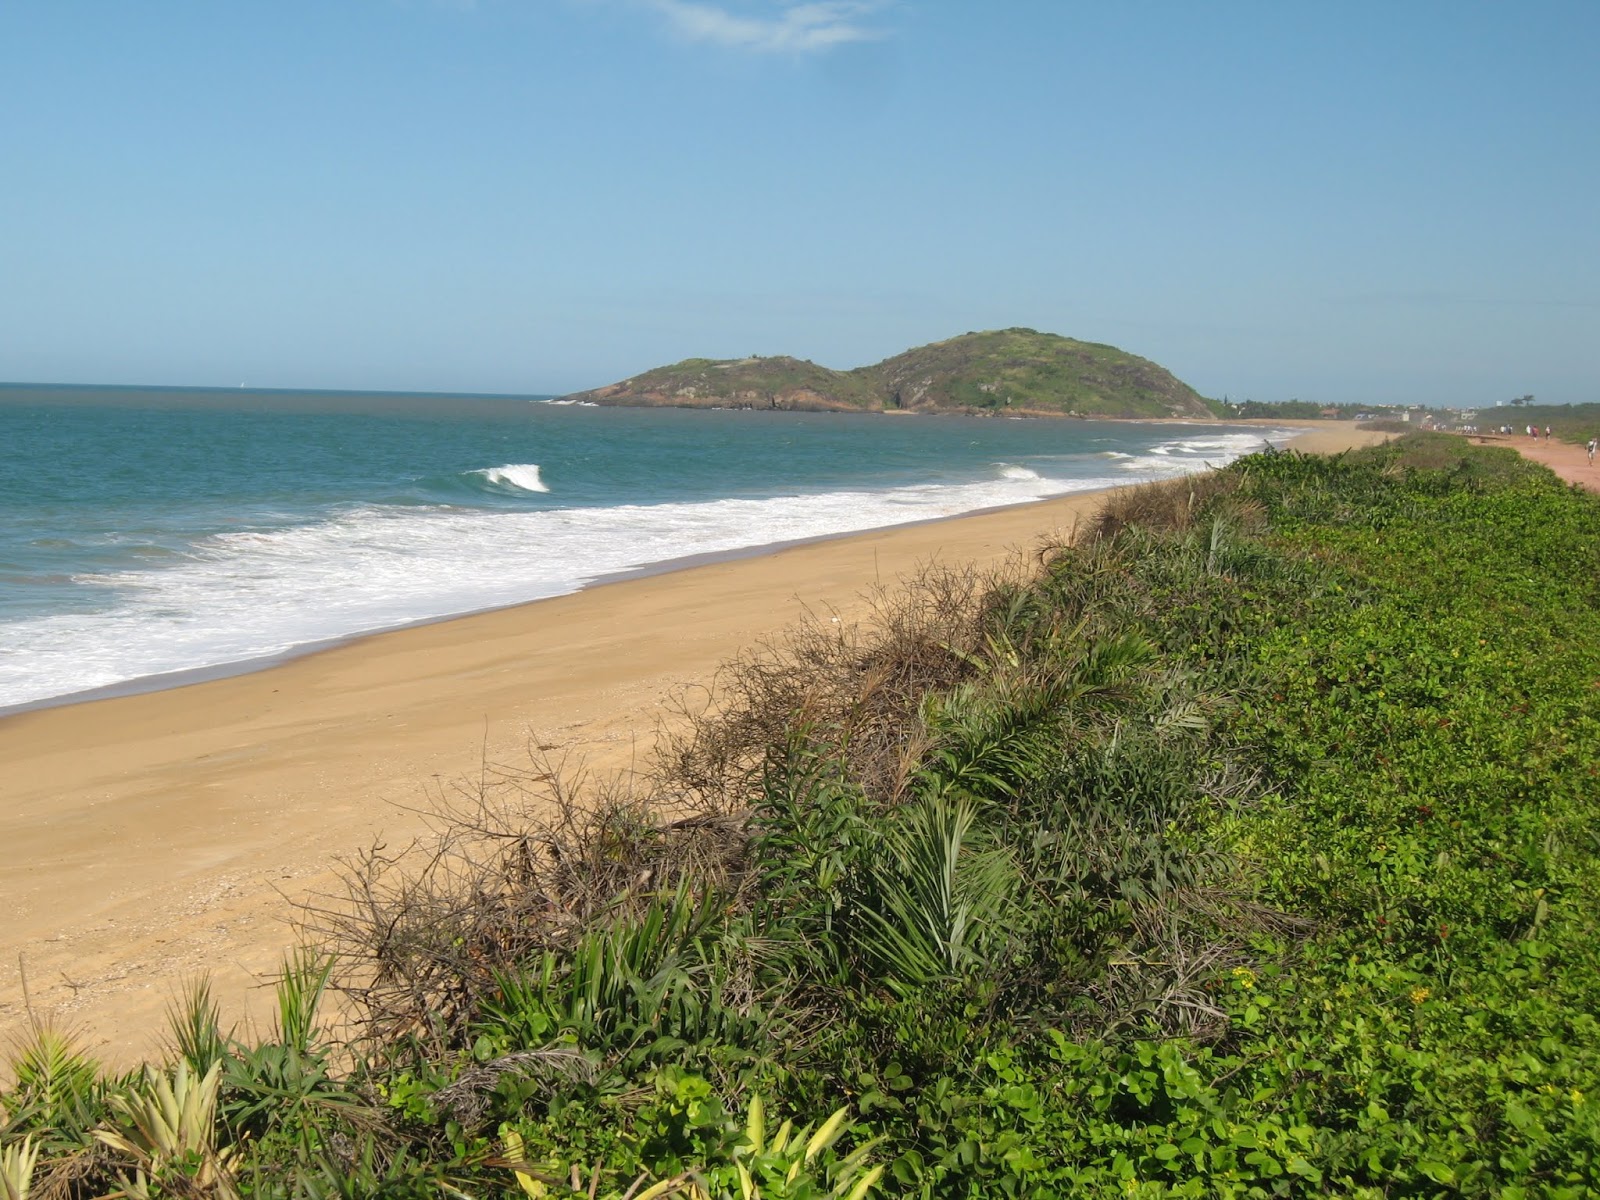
{"type": "Point", "coordinates": [1183, 456]}
{"type": "Point", "coordinates": [245, 595]}
{"type": "Point", "coordinates": [513, 477]}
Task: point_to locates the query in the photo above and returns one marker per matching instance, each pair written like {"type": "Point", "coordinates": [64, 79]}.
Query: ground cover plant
{"type": "Point", "coordinates": [1248, 847]}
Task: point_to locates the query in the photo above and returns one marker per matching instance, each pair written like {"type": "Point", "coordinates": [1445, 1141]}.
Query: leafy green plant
{"type": "Point", "coordinates": [935, 900]}
{"type": "Point", "coordinates": [16, 1169]}
{"type": "Point", "coordinates": [799, 1162]}
{"type": "Point", "coordinates": [165, 1127]}
{"type": "Point", "coordinates": [280, 1095]}
{"type": "Point", "coordinates": [672, 982]}
{"type": "Point", "coordinates": [58, 1094]}
{"type": "Point", "coordinates": [195, 1027]}
{"type": "Point", "coordinates": [301, 985]}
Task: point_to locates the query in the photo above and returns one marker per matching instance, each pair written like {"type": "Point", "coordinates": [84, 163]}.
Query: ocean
{"type": "Point", "coordinates": [147, 534]}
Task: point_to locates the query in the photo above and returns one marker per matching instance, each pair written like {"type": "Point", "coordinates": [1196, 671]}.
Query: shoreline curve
{"type": "Point", "coordinates": [161, 835]}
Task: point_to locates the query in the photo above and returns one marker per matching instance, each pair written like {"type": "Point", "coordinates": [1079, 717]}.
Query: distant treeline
{"type": "Point", "coordinates": [1293, 410]}
{"type": "Point", "coordinates": [1569, 422]}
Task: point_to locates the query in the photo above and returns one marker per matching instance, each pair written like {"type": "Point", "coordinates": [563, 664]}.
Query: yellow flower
{"type": "Point", "coordinates": [1577, 1096]}
{"type": "Point", "coordinates": [1418, 995]}
{"type": "Point", "coordinates": [1245, 976]}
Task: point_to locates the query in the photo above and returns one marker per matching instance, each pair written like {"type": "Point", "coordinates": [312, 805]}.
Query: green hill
{"type": "Point", "coordinates": [1013, 371]}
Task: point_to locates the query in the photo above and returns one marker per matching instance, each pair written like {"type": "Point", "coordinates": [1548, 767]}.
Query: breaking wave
{"type": "Point", "coordinates": [511, 479]}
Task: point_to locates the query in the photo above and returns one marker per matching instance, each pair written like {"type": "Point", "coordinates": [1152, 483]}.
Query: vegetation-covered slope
{"type": "Point", "coordinates": [1018, 370]}
{"type": "Point", "coordinates": [783, 383]}
{"type": "Point", "coordinates": [1248, 849]}
{"type": "Point", "coordinates": [1013, 371]}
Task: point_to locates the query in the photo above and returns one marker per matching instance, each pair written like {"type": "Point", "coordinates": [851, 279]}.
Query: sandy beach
{"type": "Point", "coordinates": [152, 838]}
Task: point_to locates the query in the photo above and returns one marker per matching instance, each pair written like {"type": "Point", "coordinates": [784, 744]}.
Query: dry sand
{"type": "Point", "coordinates": [156, 837]}
{"type": "Point", "coordinates": [1568, 461]}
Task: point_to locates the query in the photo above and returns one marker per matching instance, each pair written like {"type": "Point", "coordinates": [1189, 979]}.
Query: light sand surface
{"type": "Point", "coordinates": [1568, 461]}
{"type": "Point", "coordinates": [152, 838]}
{"type": "Point", "coordinates": [1331, 437]}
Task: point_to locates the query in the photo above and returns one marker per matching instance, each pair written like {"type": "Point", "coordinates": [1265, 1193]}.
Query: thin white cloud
{"type": "Point", "coordinates": [793, 28]}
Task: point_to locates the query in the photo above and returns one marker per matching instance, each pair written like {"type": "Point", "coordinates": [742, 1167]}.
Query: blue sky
{"type": "Point", "coordinates": [1370, 202]}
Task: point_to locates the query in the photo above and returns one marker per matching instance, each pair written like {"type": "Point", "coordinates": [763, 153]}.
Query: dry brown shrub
{"type": "Point", "coordinates": [1165, 973]}
{"type": "Point", "coordinates": [73, 1175]}
{"type": "Point", "coordinates": [861, 686]}
{"type": "Point", "coordinates": [1171, 504]}
{"type": "Point", "coordinates": [519, 861]}
{"type": "Point", "coordinates": [525, 858]}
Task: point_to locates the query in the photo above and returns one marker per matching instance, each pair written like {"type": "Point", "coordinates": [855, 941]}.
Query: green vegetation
{"type": "Point", "coordinates": [1019, 370]}
{"type": "Point", "coordinates": [788, 383]}
{"type": "Point", "coordinates": [1569, 422]}
{"type": "Point", "coordinates": [1015, 371]}
{"type": "Point", "coordinates": [1247, 849]}
{"type": "Point", "coordinates": [1290, 410]}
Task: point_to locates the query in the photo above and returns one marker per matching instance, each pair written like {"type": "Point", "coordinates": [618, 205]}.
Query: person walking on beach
{"type": "Point", "coordinates": [1593, 442]}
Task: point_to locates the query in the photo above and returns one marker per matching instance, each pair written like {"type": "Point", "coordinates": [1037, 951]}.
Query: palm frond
{"type": "Point", "coordinates": [194, 1025]}
{"type": "Point", "coordinates": [301, 985]}
{"type": "Point", "coordinates": [58, 1087]}
{"type": "Point", "coordinates": [938, 894]}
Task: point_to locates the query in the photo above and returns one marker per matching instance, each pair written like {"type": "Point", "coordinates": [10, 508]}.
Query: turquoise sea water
{"type": "Point", "coordinates": [147, 531]}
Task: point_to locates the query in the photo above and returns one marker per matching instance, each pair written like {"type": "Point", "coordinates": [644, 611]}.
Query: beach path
{"type": "Point", "coordinates": [1568, 461]}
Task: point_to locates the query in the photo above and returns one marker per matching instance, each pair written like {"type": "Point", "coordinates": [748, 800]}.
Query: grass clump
{"type": "Point", "coordinates": [1245, 848]}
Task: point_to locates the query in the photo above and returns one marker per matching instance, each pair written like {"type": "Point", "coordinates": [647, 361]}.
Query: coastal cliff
{"type": "Point", "coordinates": [1017, 372]}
